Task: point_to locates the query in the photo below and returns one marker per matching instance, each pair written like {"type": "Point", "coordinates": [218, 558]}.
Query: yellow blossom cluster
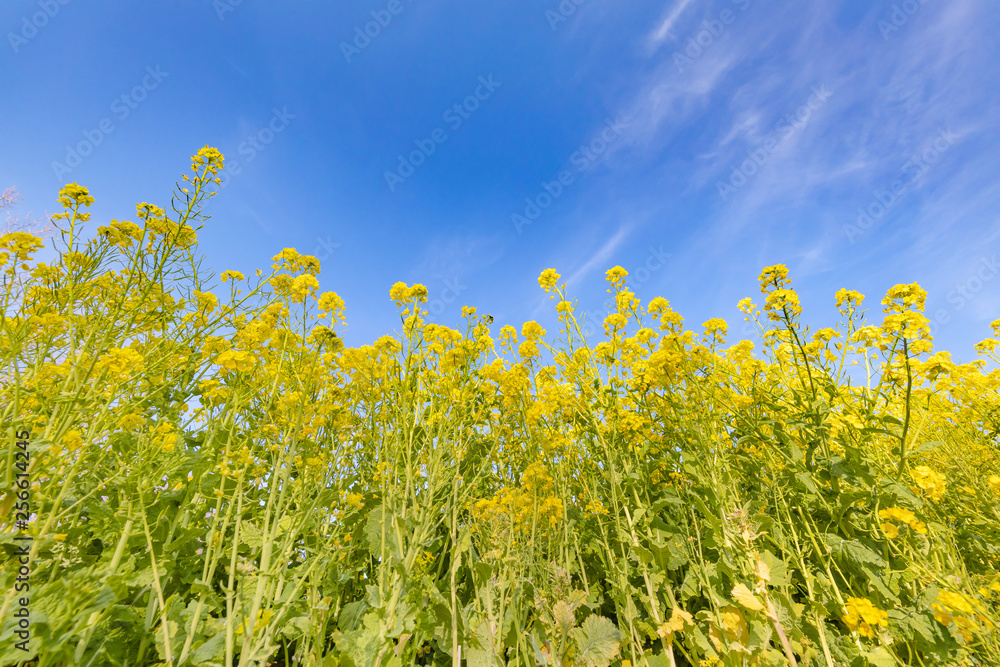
{"type": "Point", "coordinates": [861, 616]}
{"type": "Point", "coordinates": [929, 482]}
{"type": "Point", "coordinates": [553, 490]}
{"type": "Point", "coordinates": [903, 516]}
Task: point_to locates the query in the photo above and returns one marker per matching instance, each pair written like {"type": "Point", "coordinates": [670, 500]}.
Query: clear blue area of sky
{"type": "Point", "coordinates": [856, 142]}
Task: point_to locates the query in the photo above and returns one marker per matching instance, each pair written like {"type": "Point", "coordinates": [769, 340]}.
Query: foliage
{"type": "Point", "coordinates": [218, 480]}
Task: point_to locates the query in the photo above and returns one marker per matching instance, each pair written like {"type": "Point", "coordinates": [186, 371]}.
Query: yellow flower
{"type": "Point", "coordinates": [121, 232]}
{"type": "Point", "coordinates": [949, 605]}
{"type": "Point", "coordinates": [122, 362]}
{"type": "Point", "coordinates": [288, 258]}
{"type": "Point", "coordinates": [716, 327]}
{"type": "Point", "coordinates": [231, 275]}
{"type": "Point", "coordinates": [890, 529]}
{"type": "Point", "coordinates": [784, 300]}
{"type": "Point", "coordinates": [773, 276]}
{"type": "Point", "coordinates": [304, 286]}
{"type": "Point", "coordinates": [401, 294]}
{"type": "Point", "coordinates": [209, 158]}
{"type": "Point", "coordinates": [897, 514]}
{"type": "Point", "coordinates": [994, 482]}
{"type": "Point", "coordinates": [930, 482]}
{"type": "Point", "coordinates": [548, 279]}
{"type": "Point", "coordinates": [532, 331]}
{"type": "Point", "coordinates": [850, 297]}
{"type": "Point", "coordinates": [902, 298]}
{"type": "Point", "coordinates": [72, 440]}
{"type": "Point", "coordinates": [614, 322]}
{"type": "Point", "coordinates": [206, 300]}
{"type": "Point", "coordinates": [900, 515]}
{"type": "Point", "coordinates": [131, 422]}
{"type": "Point", "coordinates": [165, 437]}
{"type": "Point", "coordinates": [616, 276]}
{"type": "Point", "coordinates": [528, 349]}
{"type": "Point", "coordinates": [72, 193]}
{"type": "Point", "coordinates": [909, 324]}
{"type": "Point", "coordinates": [861, 616]}
{"type": "Point", "coordinates": [236, 360]}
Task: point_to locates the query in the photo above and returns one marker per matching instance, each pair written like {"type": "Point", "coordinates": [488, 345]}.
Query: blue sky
{"type": "Point", "coordinates": [691, 142]}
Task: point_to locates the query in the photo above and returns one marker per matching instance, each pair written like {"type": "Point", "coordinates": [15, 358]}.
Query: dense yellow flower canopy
{"type": "Point", "coordinates": [215, 476]}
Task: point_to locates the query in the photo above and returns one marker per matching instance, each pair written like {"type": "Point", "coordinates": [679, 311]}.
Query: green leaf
{"type": "Point", "coordinates": [807, 481]}
{"type": "Point", "coordinates": [914, 626]}
{"type": "Point", "coordinates": [564, 617]}
{"type": "Point", "coordinates": [481, 652]}
{"type": "Point", "coordinates": [673, 554]}
{"type": "Point", "coordinates": [779, 571]}
{"type": "Point", "coordinates": [659, 660]}
{"type": "Point", "coordinates": [251, 536]}
{"type": "Point", "coordinates": [854, 551]}
{"type": "Point", "coordinates": [351, 614]}
{"type": "Point", "coordinates": [880, 657]}
{"type": "Point", "coordinates": [597, 641]}
{"type": "Point", "coordinates": [878, 584]}
{"type": "Point", "coordinates": [645, 556]}
{"type": "Point", "coordinates": [926, 447]}
{"type": "Point", "coordinates": [142, 579]}
{"type": "Point", "coordinates": [213, 650]}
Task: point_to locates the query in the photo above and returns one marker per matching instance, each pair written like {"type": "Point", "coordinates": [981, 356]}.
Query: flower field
{"type": "Point", "coordinates": [201, 473]}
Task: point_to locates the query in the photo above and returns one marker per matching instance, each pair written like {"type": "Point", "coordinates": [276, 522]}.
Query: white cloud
{"type": "Point", "coordinates": [599, 258]}
{"type": "Point", "coordinates": [663, 31]}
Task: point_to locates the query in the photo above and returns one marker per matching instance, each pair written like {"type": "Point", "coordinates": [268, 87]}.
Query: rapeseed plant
{"type": "Point", "coordinates": [216, 479]}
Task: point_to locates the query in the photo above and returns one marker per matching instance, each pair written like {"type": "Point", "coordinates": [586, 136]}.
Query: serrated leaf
{"type": "Point", "coordinates": [854, 550]}
{"type": "Point", "coordinates": [915, 625]}
{"type": "Point", "coordinates": [564, 617]}
{"type": "Point", "coordinates": [251, 536]}
{"type": "Point", "coordinates": [597, 641]}
{"type": "Point", "coordinates": [777, 567]}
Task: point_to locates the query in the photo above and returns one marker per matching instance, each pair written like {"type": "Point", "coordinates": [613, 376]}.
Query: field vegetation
{"type": "Point", "coordinates": [214, 478]}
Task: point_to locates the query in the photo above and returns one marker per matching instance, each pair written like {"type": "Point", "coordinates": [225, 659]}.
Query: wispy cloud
{"type": "Point", "coordinates": [599, 258]}
{"type": "Point", "coordinates": [663, 30]}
